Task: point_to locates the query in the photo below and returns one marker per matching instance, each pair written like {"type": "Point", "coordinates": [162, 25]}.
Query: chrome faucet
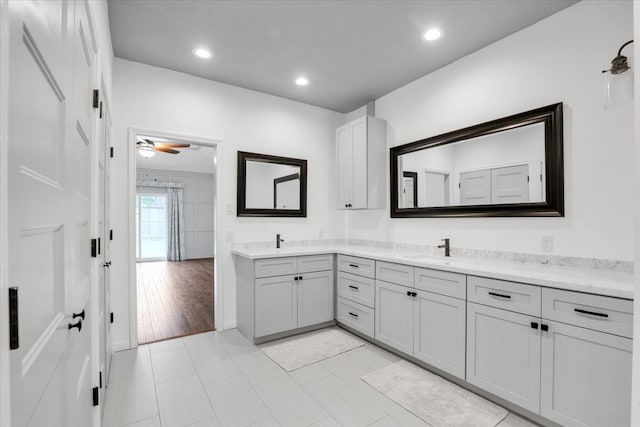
{"type": "Point", "coordinates": [446, 246]}
{"type": "Point", "coordinates": [278, 240]}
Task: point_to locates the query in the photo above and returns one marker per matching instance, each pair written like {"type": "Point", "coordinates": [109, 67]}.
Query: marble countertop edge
{"type": "Point", "coordinates": [597, 281]}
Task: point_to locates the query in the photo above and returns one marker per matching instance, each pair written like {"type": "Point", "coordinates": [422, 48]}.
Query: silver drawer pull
{"type": "Point", "coordinates": [353, 287]}
{"type": "Point", "coordinates": [353, 314]}
{"type": "Point", "coordinates": [500, 295]}
{"type": "Point", "coordinates": [590, 313]}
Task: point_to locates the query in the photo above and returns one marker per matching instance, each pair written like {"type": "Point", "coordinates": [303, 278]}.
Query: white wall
{"type": "Point", "coordinates": [158, 99]}
{"type": "Point", "coordinates": [558, 59]}
{"type": "Point", "coordinates": [198, 200]}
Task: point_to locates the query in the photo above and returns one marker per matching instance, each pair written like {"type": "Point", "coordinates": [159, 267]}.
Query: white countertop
{"type": "Point", "coordinates": [597, 281]}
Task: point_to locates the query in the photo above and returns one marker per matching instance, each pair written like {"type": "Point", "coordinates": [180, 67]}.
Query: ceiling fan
{"type": "Point", "coordinates": [147, 148]}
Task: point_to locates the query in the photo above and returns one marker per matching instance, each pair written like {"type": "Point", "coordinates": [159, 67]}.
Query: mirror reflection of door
{"type": "Point", "coordinates": [410, 189]}
{"type": "Point", "coordinates": [286, 192]}
{"type": "Point", "coordinates": [436, 189]}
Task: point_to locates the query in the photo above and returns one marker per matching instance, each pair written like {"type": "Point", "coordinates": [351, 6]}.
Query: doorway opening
{"type": "Point", "coordinates": [174, 237]}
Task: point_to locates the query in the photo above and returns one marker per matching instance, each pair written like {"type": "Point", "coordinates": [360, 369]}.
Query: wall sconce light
{"type": "Point", "coordinates": [618, 83]}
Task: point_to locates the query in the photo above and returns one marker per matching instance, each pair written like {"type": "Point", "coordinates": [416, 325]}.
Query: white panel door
{"type": "Point", "coordinates": [394, 316]}
{"type": "Point", "coordinates": [49, 175]}
{"type": "Point", "coordinates": [436, 192]}
{"type": "Point", "coordinates": [510, 184]}
{"type": "Point", "coordinates": [344, 160]}
{"type": "Point", "coordinates": [276, 305]}
{"type": "Point", "coordinates": [586, 377]}
{"type": "Point", "coordinates": [359, 182]}
{"type": "Point", "coordinates": [440, 332]}
{"type": "Point", "coordinates": [475, 187]}
{"type": "Point", "coordinates": [315, 298]}
{"type": "Point", "coordinates": [503, 354]}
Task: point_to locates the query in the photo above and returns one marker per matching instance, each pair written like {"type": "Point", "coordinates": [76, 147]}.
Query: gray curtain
{"type": "Point", "coordinates": [176, 248]}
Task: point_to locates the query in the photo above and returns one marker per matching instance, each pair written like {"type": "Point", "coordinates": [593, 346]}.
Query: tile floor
{"type": "Point", "coordinates": [221, 379]}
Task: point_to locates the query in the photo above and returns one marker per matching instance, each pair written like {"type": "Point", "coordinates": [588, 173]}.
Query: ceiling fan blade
{"type": "Point", "coordinates": [166, 150]}
{"type": "Point", "coordinates": [172, 145]}
{"type": "Point", "coordinates": [149, 141]}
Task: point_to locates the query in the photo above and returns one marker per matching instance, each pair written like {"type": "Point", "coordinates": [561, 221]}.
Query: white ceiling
{"type": "Point", "coordinates": [196, 158]}
{"type": "Point", "coordinates": [351, 51]}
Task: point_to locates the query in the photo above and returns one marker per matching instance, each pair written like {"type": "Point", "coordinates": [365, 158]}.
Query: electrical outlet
{"type": "Point", "coordinates": [547, 244]}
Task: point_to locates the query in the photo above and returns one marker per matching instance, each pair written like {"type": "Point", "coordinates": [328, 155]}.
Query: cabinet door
{"type": "Point", "coordinates": [359, 182]}
{"type": "Point", "coordinates": [475, 187]}
{"type": "Point", "coordinates": [503, 354]}
{"type": "Point", "coordinates": [439, 332]}
{"type": "Point", "coordinates": [276, 305]}
{"type": "Point", "coordinates": [344, 154]}
{"type": "Point", "coordinates": [394, 316]}
{"type": "Point", "coordinates": [315, 298]}
{"type": "Point", "coordinates": [586, 377]}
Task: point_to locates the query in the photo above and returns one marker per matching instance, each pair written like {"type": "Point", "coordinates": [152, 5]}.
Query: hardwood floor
{"type": "Point", "coordinates": [174, 299]}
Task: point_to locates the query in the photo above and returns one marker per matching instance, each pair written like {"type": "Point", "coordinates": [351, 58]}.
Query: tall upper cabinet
{"type": "Point", "coordinates": [360, 151]}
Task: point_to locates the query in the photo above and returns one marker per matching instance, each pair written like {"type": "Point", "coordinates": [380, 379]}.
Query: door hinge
{"type": "Point", "coordinates": [111, 152]}
{"type": "Point", "coordinates": [100, 377]}
{"type": "Point", "coordinates": [459, 185]}
{"type": "Point", "coordinates": [111, 234]}
{"type": "Point", "coordinates": [96, 396]}
{"type": "Point", "coordinates": [96, 98]}
{"type": "Point", "coordinates": [94, 248]}
{"type": "Point", "coordinates": [527, 178]}
{"type": "Point", "coordinates": [111, 317]}
{"type": "Point", "coordinates": [99, 246]}
{"type": "Point", "coordinates": [100, 109]}
{"type": "Point", "coordinates": [14, 337]}
{"type": "Point", "coordinates": [540, 177]}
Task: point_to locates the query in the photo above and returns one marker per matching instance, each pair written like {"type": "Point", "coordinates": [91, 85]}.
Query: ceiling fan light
{"type": "Point", "coordinates": [146, 150]}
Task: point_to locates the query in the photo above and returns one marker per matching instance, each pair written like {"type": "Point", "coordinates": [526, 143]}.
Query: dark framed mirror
{"type": "Point", "coordinates": [271, 186]}
{"type": "Point", "coordinates": [512, 166]}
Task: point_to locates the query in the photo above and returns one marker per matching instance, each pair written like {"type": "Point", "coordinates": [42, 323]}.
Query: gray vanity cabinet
{"type": "Point", "coordinates": [394, 316]}
{"type": "Point", "coordinates": [503, 354]}
{"type": "Point", "coordinates": [423, 324]}
{"type": "Point", "coordinates": [277, 295]}
{"type": "Point", "coordinates": [586, 359]}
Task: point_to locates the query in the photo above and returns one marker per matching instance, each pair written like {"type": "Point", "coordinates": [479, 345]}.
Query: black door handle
{"type": "Point", "coordinates": [353, 314]}
{"type": "Point", "coordinates": [500, 295]}
{"type": "Point", "coordinates": [544, 327]}
{"type": "Point", "coordinates": [353, 287]}
{"type": "Point", "coordinates": [534, 325]}
{"type": "Point", "coordinates": [81, 314]}
{"type": "Point", "coordinates": [590, 313]}
{"type": "Point", "coordinates": [354, 265]}
{"type": "Point", "coordinates": [78, 325]}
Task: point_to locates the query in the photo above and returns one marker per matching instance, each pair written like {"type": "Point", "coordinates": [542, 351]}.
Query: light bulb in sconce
{"type": "Point", "coordinates": [618, 81]}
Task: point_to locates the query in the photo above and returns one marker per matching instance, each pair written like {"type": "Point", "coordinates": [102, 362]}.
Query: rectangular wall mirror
{"type": "Point", "coordinates": [507, 167]}
{"type": "Point", "coordinates": [271, 186]}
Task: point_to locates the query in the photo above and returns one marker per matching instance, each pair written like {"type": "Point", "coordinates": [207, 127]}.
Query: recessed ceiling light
{"type": "Point", "coordinates": [202, 53]}
{"type": "Point", "coordinates": [432, 34]}
{"type": "Point", "coordinates": [302, 81]}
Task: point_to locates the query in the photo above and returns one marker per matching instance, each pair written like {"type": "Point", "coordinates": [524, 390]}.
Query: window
{"type": "Point", "coordinates": [151, 227]}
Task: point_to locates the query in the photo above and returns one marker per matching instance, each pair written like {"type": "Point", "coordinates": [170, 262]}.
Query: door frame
{"type": "Point", "coordinates": [5, 378]}
{"type": "Point", "coordinates": [218, 272]}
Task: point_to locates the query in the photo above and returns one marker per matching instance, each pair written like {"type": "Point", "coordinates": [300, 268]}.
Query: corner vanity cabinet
{"type": "Point", "coordinates": [276, 295]}
{"type": "Point", "coordinates": [361, 153]}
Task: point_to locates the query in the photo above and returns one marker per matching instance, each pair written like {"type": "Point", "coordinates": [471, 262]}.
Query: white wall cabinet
{"type": "Point", "coordinates": [360, 151]}
{"type": "Point", "coordinates": [277, 295]}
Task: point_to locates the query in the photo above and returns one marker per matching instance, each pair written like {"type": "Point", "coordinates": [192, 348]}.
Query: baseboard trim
{"type": "Point", "coordinates": [120, 345]}
{"type": "Point", "coordinates": [231, 324]}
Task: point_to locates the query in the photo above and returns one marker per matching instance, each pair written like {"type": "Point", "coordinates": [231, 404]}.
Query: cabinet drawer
{"type": "Point", "coordinates": [276, 266]}
{"type": "Point", "coordinates": [356, 316]}
{"type": "Point", "coordinates": [512, 296]}
{"type": "Point", "coordinates": [356, 288]}
{"type": "Point", "coordinates": [360, 266]}
{"type": "Point", "coordinates": [441, 282]}
{"type": "Point", "coordinates": [394, 273]}
{"type": "Point", "coordinates": [307, 264]}
{"type": "Point", "coordinates": [605, 314]}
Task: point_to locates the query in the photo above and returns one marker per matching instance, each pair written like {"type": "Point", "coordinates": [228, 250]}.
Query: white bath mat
{"type": "Point", "coordinates": [432, 398]}
{"type": "Point", "coordinates": [307, 349]}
